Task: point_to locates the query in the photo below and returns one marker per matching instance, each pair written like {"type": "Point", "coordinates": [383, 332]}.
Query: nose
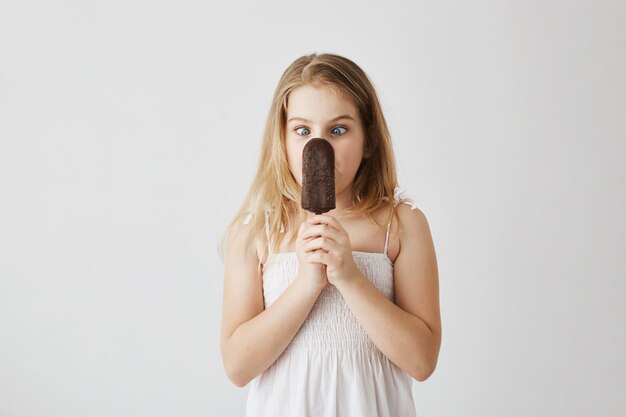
{"type": "Point", "coordinates": [330, 150]}
{"type": "Point", "coordinates": [323, 138]}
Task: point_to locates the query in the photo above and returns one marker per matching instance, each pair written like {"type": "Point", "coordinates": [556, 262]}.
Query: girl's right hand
{"type": "Point", "coordinates": [312, 272]}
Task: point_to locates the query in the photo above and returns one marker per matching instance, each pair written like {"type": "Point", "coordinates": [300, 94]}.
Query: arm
{"type": "Point", "coordinates": [408, 332]}
{"type": "Point", "coordinates": [253, 338]}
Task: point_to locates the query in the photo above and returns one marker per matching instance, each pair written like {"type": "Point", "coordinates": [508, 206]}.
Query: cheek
{"type": "Point", "coordinates": [348, 160]}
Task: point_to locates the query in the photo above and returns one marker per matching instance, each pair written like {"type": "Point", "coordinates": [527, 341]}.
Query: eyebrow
{"type": "Point", "coordinates": [345, 116]}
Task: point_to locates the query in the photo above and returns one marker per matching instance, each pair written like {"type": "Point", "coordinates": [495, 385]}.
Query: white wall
{"type": "Point", "coordinates": [129, 134]}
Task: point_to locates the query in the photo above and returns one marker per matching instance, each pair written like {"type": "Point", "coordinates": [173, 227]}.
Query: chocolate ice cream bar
{"type": "Point", "coordinates": [318, 176]}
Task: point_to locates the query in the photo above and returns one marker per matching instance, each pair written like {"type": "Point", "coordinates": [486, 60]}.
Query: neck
{"type": "Point", "coordinates": [343, 201]}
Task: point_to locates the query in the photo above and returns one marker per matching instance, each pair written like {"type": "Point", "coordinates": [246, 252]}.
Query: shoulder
{"type": "Point", "coordinates": [411, 220]}
{"type": "Point", "coordinates": [259, 240]}
{"type": "Point", "coordinates": [242, 242]}
{"type": "Point", "coordinates": [407, 209]}
{"type": "Point", "coordinates": [406, 223]}
{"type": "Point", "coordinates": [413, 227]}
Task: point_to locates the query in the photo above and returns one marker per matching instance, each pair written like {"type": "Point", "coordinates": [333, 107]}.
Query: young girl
{"type": "Point", "coordinates": [331, 314]}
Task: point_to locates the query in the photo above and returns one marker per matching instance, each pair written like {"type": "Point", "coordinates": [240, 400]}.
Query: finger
{"type": "Point", "coordinates": [321, 243]}
{"type": "Point", "coordinates": [303, 232]}
{"type": "Point", "coordinates": [319, 257]}
{"type": "Point", "coordinates": [320, 230]}
{"type": "Point", "coordinates": [339, 236]}
{"type": "Point", "coordinates": [312, 245]}
{"type": "Point", "coordinates": [329, 221]}
{"type": "Point", "coordinates": [332, 238]}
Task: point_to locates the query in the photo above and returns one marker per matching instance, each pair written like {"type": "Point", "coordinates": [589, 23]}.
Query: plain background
{"type": "Point", "coordinates": [130, 134]}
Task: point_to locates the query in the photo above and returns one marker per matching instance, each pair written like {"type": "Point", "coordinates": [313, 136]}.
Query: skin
{"type": "Point", "coordinates": [407, 332]}
{"type": "Point", "coordinates": [319, 106]}
{"type": "Point", "coordinates": [312, 113]}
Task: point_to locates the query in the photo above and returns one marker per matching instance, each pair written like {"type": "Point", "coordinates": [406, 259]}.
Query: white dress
{"type": "Point", "coordinates": [331, 368]}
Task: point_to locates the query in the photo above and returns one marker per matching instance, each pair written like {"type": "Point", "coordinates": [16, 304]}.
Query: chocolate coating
{"type": "Point", "coordinates": [318, 176]}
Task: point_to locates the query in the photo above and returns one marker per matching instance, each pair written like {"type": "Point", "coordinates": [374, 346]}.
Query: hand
{"type": "Point", "coordinates": [330, 245]}
{"type": "Point", "coordinates": [309, 269]}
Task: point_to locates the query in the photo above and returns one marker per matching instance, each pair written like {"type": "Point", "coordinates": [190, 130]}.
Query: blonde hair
{"type": "Point", "coordinates": [273, 201]}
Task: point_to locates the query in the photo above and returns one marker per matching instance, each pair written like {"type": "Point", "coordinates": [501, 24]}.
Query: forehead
{"type": "Point", "coordinates": [318, 102]}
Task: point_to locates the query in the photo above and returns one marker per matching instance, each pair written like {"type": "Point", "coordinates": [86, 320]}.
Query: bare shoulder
{"type": "Point", "coordinates": [413, 225]}
{"type": "Point", "coordinates": [409, 225]}
{"type": "Point", "coordinates": [243, 293]}
{"type": "Point", "coordinates": [236, 245]}
{"type": "Point", "coordinates": [416, 248]}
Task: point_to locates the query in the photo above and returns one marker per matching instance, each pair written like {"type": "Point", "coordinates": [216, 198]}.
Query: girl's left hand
{"type": "Point", "coordinates": [336, 251]}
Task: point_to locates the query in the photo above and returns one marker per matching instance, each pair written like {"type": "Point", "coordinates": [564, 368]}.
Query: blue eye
{"type": "Point", "coordinates": [304, 129]}
{"type": "Point", "coordinates": [338, 127]}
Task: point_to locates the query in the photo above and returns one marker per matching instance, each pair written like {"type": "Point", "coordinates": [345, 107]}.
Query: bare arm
{"type": "Point", "coordinates": [408, 332]}
{"type": "Point", "coordinates": [253, 338]}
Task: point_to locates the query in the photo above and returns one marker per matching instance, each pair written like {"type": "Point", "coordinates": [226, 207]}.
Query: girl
{"type": "Point", "coordinates": [332, 314]}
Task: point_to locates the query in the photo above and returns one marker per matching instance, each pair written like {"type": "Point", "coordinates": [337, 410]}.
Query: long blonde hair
{"type": "Point", "coordinates": [273, 201]}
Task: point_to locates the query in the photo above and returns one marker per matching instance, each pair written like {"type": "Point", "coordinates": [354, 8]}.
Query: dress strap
{"type": "Point", "coordinates": [398, 197]}
{"type": "Point", "coordinates": [387, 238]}
{"type": "Point", "coordinates": [267, 231]}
